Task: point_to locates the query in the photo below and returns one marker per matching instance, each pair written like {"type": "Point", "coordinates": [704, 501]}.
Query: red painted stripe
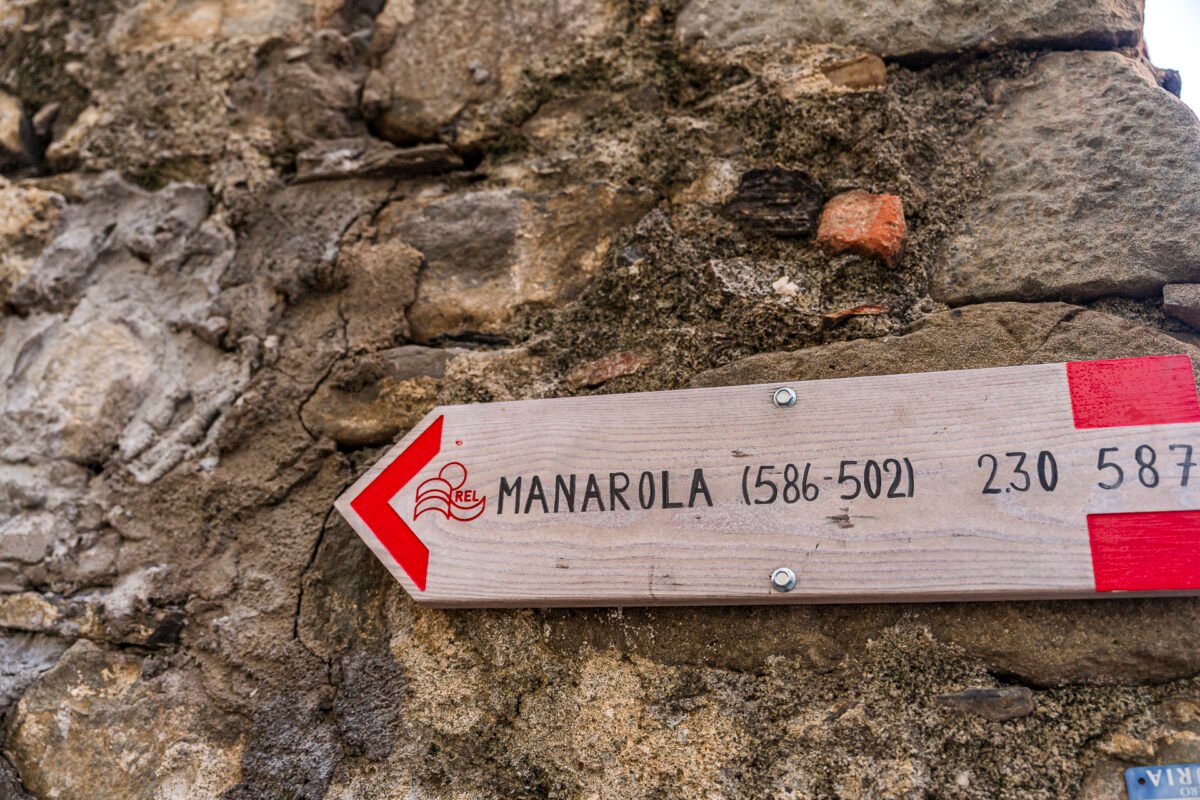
{"type": "Point", "coordinates": [1151, 551]}
{"type": "Point", "coordinates": [1155, 390]}
{"type": "Point", "coordinates": [373, 507]}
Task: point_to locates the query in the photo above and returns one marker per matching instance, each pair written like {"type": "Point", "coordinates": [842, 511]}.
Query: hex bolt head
{"type": "Point", "coordinates": [783, 580]}
{"type": "Point", "coordinates": [784, 397]}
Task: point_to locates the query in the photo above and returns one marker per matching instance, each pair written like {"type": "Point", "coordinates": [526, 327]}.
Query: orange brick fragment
{"type": "Point", "coordinates": [870, 310]}
{"type": "Point", "coordinates": [864, 223]}
{"type": "Point", "coordinates": [606, 368]}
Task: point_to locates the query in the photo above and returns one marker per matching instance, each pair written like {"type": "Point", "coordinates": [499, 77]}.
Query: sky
{"type": "Point", "coordinates": [1173, 39]}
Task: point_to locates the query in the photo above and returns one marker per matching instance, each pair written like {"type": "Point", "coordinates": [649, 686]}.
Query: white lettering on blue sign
{"type": "Point", "coordinates": [1163, 782]}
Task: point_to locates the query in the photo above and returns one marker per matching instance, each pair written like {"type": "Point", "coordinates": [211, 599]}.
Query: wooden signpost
{"type": "Point", "coordinates": [1054, 480]}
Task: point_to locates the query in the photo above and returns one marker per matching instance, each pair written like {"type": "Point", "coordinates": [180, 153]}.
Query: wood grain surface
{"type": "Point", "coordinates": [936, 432]}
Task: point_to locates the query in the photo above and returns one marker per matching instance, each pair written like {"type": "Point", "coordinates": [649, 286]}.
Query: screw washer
{"type": "Point", "coordinates": [784, 397]}
{"type": "Point", "coordinates": [783, 580]}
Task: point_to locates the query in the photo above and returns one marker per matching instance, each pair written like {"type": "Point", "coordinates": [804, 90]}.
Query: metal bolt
{"type": "Point", "coordinates": [784, 397]}
{"type": "Point", "coordinates": [783, 580]}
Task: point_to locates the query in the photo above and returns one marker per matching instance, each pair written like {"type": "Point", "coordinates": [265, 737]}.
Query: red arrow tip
{"type": "Point", "coordinates": [373, 507]}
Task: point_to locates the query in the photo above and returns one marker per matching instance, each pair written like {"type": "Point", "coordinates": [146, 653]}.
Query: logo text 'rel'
{"type": "Point", "coordinates": [445, 495]}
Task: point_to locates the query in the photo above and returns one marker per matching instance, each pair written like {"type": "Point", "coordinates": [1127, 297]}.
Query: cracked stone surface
{"type": "Point", "coordinates": [29, 220]}
{"type": "Point", "coordinates": [436, 63]}
{"type": "Point", "coordinates": [479, 265]}
{"type": "Point", "coordinates": [920, 28]}
{"type": "Point", "coordinates": [250, 244]}
{"type": "Point", "coordinates": [103, 357]}
{"type": "Point", "coordinates": [1085, 195]}
{"type": "Point", "coordinates": [114, 696]}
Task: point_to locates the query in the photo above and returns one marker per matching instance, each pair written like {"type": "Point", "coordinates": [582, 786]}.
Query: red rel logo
{"type": "Point", "coordinates": [445, 494]}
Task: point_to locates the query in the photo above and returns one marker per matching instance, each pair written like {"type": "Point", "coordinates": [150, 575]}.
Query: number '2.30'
{"type": "Point", "coordinates": [1018, 465]}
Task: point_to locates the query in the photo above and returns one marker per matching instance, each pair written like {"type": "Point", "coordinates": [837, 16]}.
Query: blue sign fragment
{"type": "Point", "coordinates": [1166, 782]}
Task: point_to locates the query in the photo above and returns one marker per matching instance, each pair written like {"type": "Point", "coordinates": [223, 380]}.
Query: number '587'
{"type": "Point", "coordinates": [1114, 466]}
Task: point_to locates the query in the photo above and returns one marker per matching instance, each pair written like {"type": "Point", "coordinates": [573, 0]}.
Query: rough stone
{"type": "Point", "coordinates": [29, 220]}
{"type": "Point", "coordinates": [1098, 642]}
{"type": "Point", "coordinates": [290, 247]}
{"type": "Point", "coordinates": [985, 335]}
{"type": "Point", "coordinates": [223, 86]}
{"type": "Point", "coordinates": [435, 63]}
{"type": "Point", "coordinates": [864, 72]}
{"type": "Point", "coordinates": [370, 158]}
{"type": "Point", "coordinates": [30, 612]}
{"type": "Point", "coordinates": [1170, 80]}
{"type": "Point", "coordinates": [133, 612]}
{"type": "Point", "coordinates": [777, 201]}
{"type": "Point", "coordinates": [12, 145]}
{"type": "Point", "coordinates": [381, 285]}
{"type": "Point", "coordinates": [912, 29]}
{"type": "Point", "coordinates": [369, 400]}
{"type": "Point", "coordinates": [42, 121]}
{"type": "Point", "coordinates": [98, 367]}
{"type": "Point", "coordinates": [27, 537]}
{"type": "Point", "coordinates": [1182, 301]}
{"type": "Point", "coordinates": [1086, 190]}
{"type": "Point", "coordinates": [157, 21]}
{"type": "Point", "coordinates": [12, 578]}
{"type": "Point", "coordinates": [715, 186]}
{"type": "Point", "coordinates": [785, 287]}
{"type": "Point", "coordinates": [481, 263]}
{"type": "Point", "coordinates": [97, 706]}
{"type": "Point", "coordinates": [796, 72]}
{"type": "Point", "coordinates": [997, 705]}
{"type": "Point", "coordinates": [45, 516]}
{"type": "Point", "coordinates": [351, 580]}
{"type": "Point", "coordinates": [864, 223]}
{"type": "Point", "coordinates": [10, 782]}
{"type": "Point", "coordinates": [562, 117]}
{"type": "Point", "coordinates": [512, 373]}
{"type": "Point", "coordinates": [156, 228]}
{"type": "Point", "coordinates": [23, 658]}
{"type": "Point", "coordinates": [469, 245]}
{"type": "Point", "coordinates": [157, 137]}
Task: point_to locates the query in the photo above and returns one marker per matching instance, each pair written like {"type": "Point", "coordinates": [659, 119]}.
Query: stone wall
{"type": "Point", "coordinates": [244, 246]}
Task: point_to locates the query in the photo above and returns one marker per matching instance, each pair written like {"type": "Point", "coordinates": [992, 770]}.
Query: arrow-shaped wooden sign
{"type": "Point", "coordinates": [1054, 480]}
